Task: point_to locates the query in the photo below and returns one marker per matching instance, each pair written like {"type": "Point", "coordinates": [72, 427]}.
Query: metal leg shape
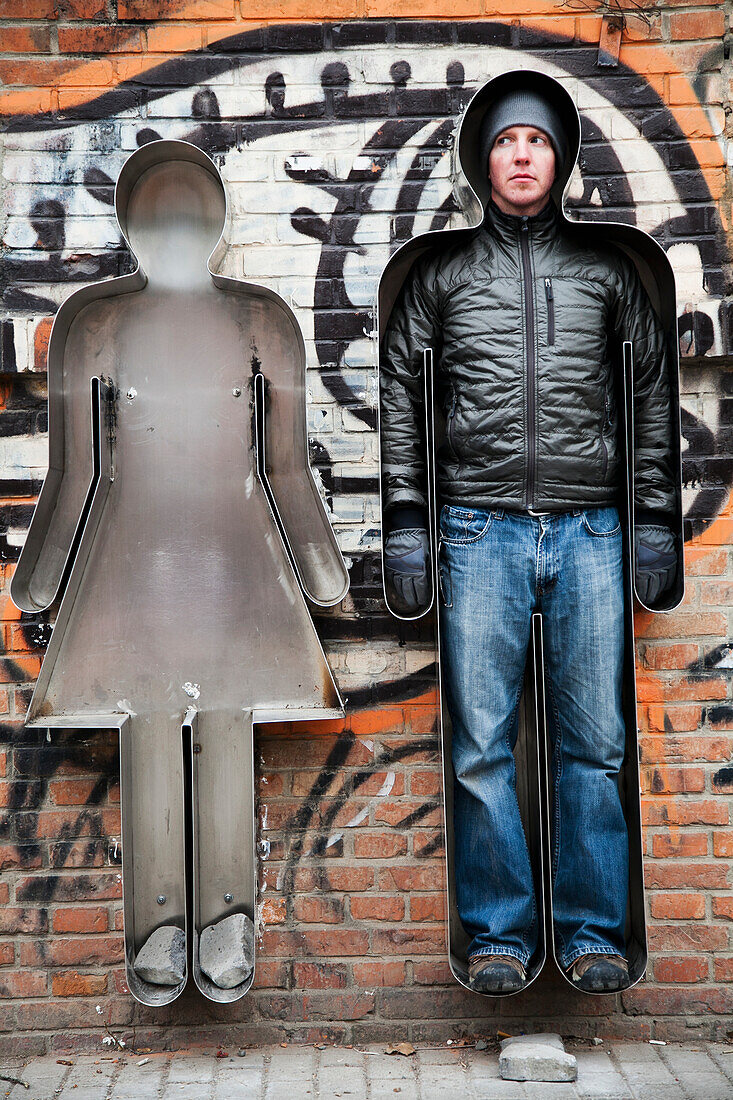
{"type": "Point", "coordinates": [151, 772]}
{"type": "Point", "coordinates": [223, 816]}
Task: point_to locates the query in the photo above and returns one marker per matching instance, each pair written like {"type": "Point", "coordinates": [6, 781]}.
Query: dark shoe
{"type": "Point", "coordinates": [599, 973]}
{"type": "Point", "coordinates": [496, 974]}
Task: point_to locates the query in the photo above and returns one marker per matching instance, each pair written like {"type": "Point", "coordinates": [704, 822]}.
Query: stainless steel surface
{"type": "Point", "coordinates": [223, 831]}
{"type": "Point", "coordinates": [182, 560]}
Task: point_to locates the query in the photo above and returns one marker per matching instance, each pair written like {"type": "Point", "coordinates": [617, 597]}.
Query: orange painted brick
{"type": "Point", "coordinates": [722, 844]}
{"type": "Point", "coordinates": [69, 983]}
{"type": "Point", "coordinates": [708, 562]}
{"type": "Point", "coordinates": [368, 974]}
{"type": "Point", "coordinates": [670, 656]}
{"type": "Point", "coordinates": [25, 39]}
{"type": "Point", "coordinates": [683, 845]}
{"type": "Point", "coordinates": [87, 919]}
{"type": "Point", "coordinates": [320, 975]}
{"type": "Point", "coordinates": [676, 748]}
{"type": "Point", "coordinates": [723, 907]}
{"type": "Point", "coordinates": [666, 812]}
{"type": "Point", "coordinates": [167, 38]}
{"type": "Point", "coordinates": [48, 70]}
{"type": "Point", "coordinates": [29, 9]}
{"type": "Point", "coordinates": [368, 907]}
{"type": "Point", "coordinates": [100, 40]}
{"type": "Point", "coordinates": [677, 906]}
{"type": "Point", "coordinates": [686, 624]}
{"type": "Point", "coordinates": [318, 910]}
{"type": "Point", "coordinates": [421, 719]}
{"type": "Point", "coordinates": [297, 9]}
{"type": "Point", "coordinates": [426, 907]}
{"type": "Point", "coordinates": [40, 343]}
{"type": "Point", "coordinates": [24, 983]}
{"type": "Point", "coordinates": [716, 593]}
{"type": "Point", "coordinates": [379, 845]}
{"type": "Point", "coordinates": [422, 9]}
{"type": "Point", "coordinates": [682, 718]}
{"type": "Point", "coordinates": [697, 24]}
{"type": "Point", "coordinates": [153, 10]}
{"type": "Point", "coordinates": [675, 690]}
{"type": "Point", "coordinates": [83, 9]}
{"type": "Point", "coordinates": [723, 969]}
{"type": "Point", "coordinates": [689, 969]}
{"type": "Point", "coordinates": [274, 911]}
{"type": "Point", "coordinates": [665, 780]}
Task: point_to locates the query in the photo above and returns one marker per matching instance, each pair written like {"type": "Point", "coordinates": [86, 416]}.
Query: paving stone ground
{"type": "Point", "coordinates": [614, 1071]}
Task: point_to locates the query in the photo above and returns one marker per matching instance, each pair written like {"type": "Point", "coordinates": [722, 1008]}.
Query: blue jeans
{"type": "Point", "coordinates": [496, 568]}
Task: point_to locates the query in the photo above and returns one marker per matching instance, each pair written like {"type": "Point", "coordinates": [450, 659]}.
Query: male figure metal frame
{"type": "Point", "coordinates": [525, 318]}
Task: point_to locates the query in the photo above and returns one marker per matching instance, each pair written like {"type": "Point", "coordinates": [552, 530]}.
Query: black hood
{"type": "Point", "coordinates": [468, 144]}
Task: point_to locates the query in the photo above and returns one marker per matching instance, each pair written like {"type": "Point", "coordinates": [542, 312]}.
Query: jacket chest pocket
{"type": "Point", "coordinates": [450, 420]}
{"type": "Point", "coordinates": [550, 299]}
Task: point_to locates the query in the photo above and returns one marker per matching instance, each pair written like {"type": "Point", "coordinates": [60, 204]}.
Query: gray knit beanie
{"type": "Point", "coordinates": [521, 108]}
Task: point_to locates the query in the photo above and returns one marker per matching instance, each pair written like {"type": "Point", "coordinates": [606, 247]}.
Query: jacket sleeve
{"type": "Point", "coordinates": [414, 325]}
{"type": "Point", "coordinates": [635, 320]}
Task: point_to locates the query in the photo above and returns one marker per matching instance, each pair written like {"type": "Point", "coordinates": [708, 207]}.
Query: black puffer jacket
{"type": "Point", "coordinates": [526, 321]}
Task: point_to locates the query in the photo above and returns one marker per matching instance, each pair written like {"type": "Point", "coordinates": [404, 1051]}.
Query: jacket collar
{"type": "Point", "coordinates": [542, 226]}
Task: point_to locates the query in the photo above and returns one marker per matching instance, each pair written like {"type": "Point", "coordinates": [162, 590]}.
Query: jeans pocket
{"type": "Point", "coordinates": [444, 584]}
{"type": "Point", "coordinates": [459, 526]}
{"type": "Point", "coordinates": [601, 522]}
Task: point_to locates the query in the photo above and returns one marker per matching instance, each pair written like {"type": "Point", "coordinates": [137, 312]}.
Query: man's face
{"type": "Point", "coordinates": [521, 169]}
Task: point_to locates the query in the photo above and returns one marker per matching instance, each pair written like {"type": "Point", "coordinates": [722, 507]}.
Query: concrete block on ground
{"type": "Point", "coordinates": [536, 1058]}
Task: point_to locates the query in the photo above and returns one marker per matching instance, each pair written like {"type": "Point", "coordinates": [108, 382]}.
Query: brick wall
{"type": "Point", "coordinates": [334, 139]}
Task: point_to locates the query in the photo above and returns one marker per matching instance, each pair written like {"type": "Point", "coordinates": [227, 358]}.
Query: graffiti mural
{"type": "Point", "coordinates": [335, 150]}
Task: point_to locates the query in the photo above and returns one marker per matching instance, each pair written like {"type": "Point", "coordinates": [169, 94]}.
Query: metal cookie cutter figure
{"type": "Point", "coordinates": [182, 552]}
{"type": "Point", "coordinates": [534, 766]}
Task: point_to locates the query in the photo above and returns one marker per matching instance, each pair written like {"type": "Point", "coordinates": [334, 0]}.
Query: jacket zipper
{"type": "Point", "coordinates": [550, 311]}
{"type": "Point", "coordinates": [606, 421]}
{"type": "Point", "coordinates": [449, 422]}
{"type": "Point", "coordinates": [531, 363]}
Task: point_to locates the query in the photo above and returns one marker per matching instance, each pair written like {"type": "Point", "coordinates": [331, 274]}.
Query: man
{"type": "Point", "coordinates": [526, 320]}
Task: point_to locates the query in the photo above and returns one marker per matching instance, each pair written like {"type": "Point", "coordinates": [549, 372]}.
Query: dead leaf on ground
{"type": "Point", "coordinates": [400, 1048]}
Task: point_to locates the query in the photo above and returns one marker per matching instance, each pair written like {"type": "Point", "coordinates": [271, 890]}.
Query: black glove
{"type": "Point", "coordinates": [656, 561]}
{"type": "Point", "coordinates": [406, 569]}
